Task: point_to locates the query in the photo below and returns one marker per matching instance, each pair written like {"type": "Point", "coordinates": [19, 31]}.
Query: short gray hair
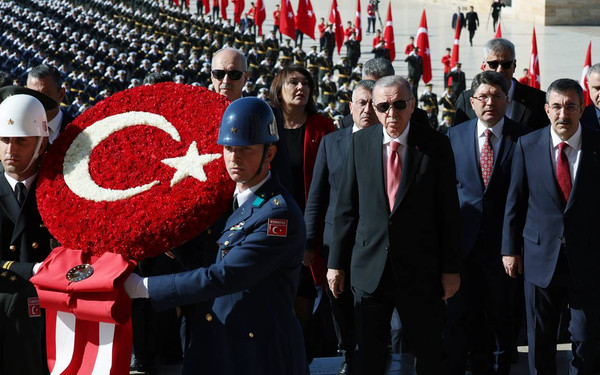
{"type": "Point", "coordinates": [497, 46]}
{"type": "Point", "coordinates": [390, 81]}
{"type": "Point", "coordinates": [594, 69]}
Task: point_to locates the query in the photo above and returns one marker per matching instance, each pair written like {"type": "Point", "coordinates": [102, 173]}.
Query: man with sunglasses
{"type": "Point", "coordinates": [483, 149]}
{"type": "Point", "coordinates": [229, 73]}
{"type": "Point", "coordinates": [525, 103]}
{"type": "Point", "coordinates": [395, 228]}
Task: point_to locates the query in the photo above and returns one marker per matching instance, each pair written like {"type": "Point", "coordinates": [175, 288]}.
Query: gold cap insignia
{"type": "Point", "coordinates": [234, 130]}
{"type": "Point", "coordinates": [10, 122]}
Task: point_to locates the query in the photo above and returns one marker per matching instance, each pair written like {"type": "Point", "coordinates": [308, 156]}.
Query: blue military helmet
{"type": "Point", "coordinates": [248, 121]}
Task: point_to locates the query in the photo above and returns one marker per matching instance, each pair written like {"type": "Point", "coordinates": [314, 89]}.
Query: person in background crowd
{"type": "Point", "coordinates": [446, 60]}
{"type": "Point", "coordinates": [229, 73]}
{"type": "Point", "coordinates": [472, 23]}
{"type": "Point", "coordinates": [591, 114]}
{"type": "Point", "coordinates": [48, 80]}
{"type": "Point", "coordinates": [301, 131]}
{"type": "Point", "coordinates": [526, 104]}
{"type": "Point", "coordinates": [496, 6]}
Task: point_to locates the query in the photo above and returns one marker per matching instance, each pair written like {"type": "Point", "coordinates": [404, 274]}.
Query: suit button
{"type": "Point", "coordinates": [251, 335]}
{"type": "Point", "coordinates": [208, 318]}
{"type": "Point", "coordinates": [13, 248]}
{"type": "Point", "coordinates": [226, 243]}
{"type": "Point", "coordinates": [387, 248]}
{"type": "Point", "coordinates": [35, 245]}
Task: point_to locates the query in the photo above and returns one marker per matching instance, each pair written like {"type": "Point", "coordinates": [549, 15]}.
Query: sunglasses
{"type": "Point", "coordinates": [385, 106]}
{"type": "Point", "coordinates": [233, 74]}
{"type": "Point", "coordinates": [505, 64]}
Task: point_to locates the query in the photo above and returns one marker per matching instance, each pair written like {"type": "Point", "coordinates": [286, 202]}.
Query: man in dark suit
{"type": "Point", "coordinates": [24, 239]}
{"type": "Point", "coordinates": [526, 104]}
{"type": "Point", "coordinates": [320, 206]}
{"type": "Point", "coordinates": [472, 23]}
{"type": "Point", "coordinates": [591, 114]}
{"type": "Point", "coordinates": [379, 233]}
{"type": "Point", "coordinates": [456, 17]}
{"type": "Point", "coordinates": [415, 69]}
{"type": "Point", "coordinates": [551, 230]}
{"type": "Point", "coordinates": [483, 149]}
{"type": "Point", "coordinates": [458, 79]}
{"type": "Point", "coordinates": [47, 80]}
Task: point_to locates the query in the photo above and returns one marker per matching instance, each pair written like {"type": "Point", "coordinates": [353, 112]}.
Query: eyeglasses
{"type": "Point", "coordinates": [385, 106]}
{"type": "Point", "coordinates": [220, 74]}
{"type": "Point", "coordinates": [569, 108]}
{"type": "Point", "coordinates": [505, 64]}
{"type": "Point", "coordinates": [484, 98]}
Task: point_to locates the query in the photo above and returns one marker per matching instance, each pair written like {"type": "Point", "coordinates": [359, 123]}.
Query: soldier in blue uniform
{"type": "Point", "coordinates": [244, 320]}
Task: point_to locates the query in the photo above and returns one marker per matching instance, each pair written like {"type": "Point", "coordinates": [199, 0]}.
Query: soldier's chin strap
{"type": "Point", "coordinates": [36, 154]}
{"type": "Point", "coordinates": [262, 160]}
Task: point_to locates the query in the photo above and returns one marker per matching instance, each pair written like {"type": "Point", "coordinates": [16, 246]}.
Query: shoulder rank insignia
{"type": "Point", "coordinates": [277, 227]}
{"type": "Point", "coordinates": [276, 202]}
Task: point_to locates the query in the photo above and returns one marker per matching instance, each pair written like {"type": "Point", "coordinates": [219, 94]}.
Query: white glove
{"type": "Point", "coordinates": [36, 268]}
{"type": "Point", "coordinates": [136, 286]}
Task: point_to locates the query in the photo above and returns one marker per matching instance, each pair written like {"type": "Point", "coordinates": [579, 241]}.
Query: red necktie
{"type": "Point", "coordinates": [487, 158]}
{"type": "Point", "coordinates": [563, 173]}
{"type": "Point", "coordinates": [394, 171]}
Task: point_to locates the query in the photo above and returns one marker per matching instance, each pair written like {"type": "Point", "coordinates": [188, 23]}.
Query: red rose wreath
{"type": "Point", "coordinates": [132, 177]}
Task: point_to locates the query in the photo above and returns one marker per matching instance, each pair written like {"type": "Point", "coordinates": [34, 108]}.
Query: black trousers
{"type": "Point", "coordinates": [479, 332]}
{"type": "Point", "coordinates": [422, 316]}
{"type": "Point", "coordinates": [544, 306]}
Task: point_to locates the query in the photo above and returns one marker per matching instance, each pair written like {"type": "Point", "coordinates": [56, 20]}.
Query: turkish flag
{"type": "Point", "coordinates": [238, 8]}
{"type": "Point", "coordinates": [584, 81]}
{"type": "Point", "coordinates": [534, 64]}
{"type": "Point", "coordinates": [357, 28]}
{"type": "Point", "coordinates": [287, 25]}
{"type": "Point", "coordinates": [306, 19]}
{"type": "Point", "coordinates": [388, 34]}
{"type": "Point", "coordinates": [260, 15]}
{"type": "Point", "coordinates": [206, 6]}
{"type": "Point", "coordinates": [423, 44]}
{"type": "Point", "coordinates": [224, 4]}
{"type": "Point", "coordinates": [336, 20]}
{"type": "Point", "coordinates": [454, 57]}
{"type": "Point", "coordinates": [498, 31]}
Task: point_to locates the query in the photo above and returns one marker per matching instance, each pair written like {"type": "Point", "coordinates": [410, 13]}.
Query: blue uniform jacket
{"type": "Point", "coordinates": [244, 322]}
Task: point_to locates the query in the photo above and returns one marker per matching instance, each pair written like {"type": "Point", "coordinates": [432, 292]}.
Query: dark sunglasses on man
{"type": "Point", "coordinates": [505, 64]}
{"type": "Point", "coordinates": [385, 106]}
{"type": "Point", "coordinates": [220, 74]}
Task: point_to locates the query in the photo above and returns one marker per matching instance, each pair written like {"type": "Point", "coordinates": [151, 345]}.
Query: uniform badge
{"type": "Point", "coordinates": [238, 226]}
{"type": "Point", "coordinates": [33, 307]}
{"type": "Point", "coordinates": [277, 227]}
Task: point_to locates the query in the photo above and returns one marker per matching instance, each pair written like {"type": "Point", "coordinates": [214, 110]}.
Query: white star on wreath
{"type": "Point", "coordinates": [190, 165]}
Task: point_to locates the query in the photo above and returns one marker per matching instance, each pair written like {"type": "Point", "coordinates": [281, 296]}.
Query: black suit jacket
{"type": "Point", "coordinates": [481, 207]}
{"type": "Point", "coordinates": [527, 107]}
{"type": "Point", "coordinates": [472, 20]}
{"type": "Point", "coordinates": [420, 235]}
{"type": "Point", "coordinates": [589, 119]}
{"type": "Point", "coordinates": [322, 197]}
{"type": "Point", "coordinates": [24, 239]}
{"type": "Point", "coordinates": [455, 17]}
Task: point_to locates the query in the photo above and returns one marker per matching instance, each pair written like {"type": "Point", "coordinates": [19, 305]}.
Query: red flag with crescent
{"type": "Point", "coordinates": [534, 64]}
{"type": "Point", "coordinates": [584, 81]}
{"type": "Point", "coordinates": [423, 44]}
{"type": "Point", "coordinates": [388, 34]}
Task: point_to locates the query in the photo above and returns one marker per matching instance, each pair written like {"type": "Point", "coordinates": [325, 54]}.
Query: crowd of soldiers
{"type": "Point", "coordinates": [102, 47]}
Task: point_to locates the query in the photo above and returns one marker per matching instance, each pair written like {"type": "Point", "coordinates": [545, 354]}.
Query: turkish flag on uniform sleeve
{"type": "Point", "coordinates": [336, 20]}
{"type": "Point", "coordinates": [423, 44]}
{"type": "Point", "coordinates": [306, 19]}
{"type": "Point", "coordinates": [388, 34]}
{"type": "Point", "coordinates": [287, 25]}
{"type": "Point", "coordinates": [584, 81]}
{"type": "Point", "coordinates": [260, 16]}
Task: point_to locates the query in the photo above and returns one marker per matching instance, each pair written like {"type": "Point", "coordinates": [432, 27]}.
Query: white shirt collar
{"type": "Point", "coordinates": [54, 126]}
{"type": "Point", "coordinates": [402, 139]}
{"type": "Point", "coordinates": [496, 129]}
{"type": "Point", "coordinates": [246, 194]}
{"type": "Point", "coordinates": [355, 128]}
{"type": "Point", "coordinates": [574, 142]}
{"type": "Point", "coordinates": [28, 181]}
